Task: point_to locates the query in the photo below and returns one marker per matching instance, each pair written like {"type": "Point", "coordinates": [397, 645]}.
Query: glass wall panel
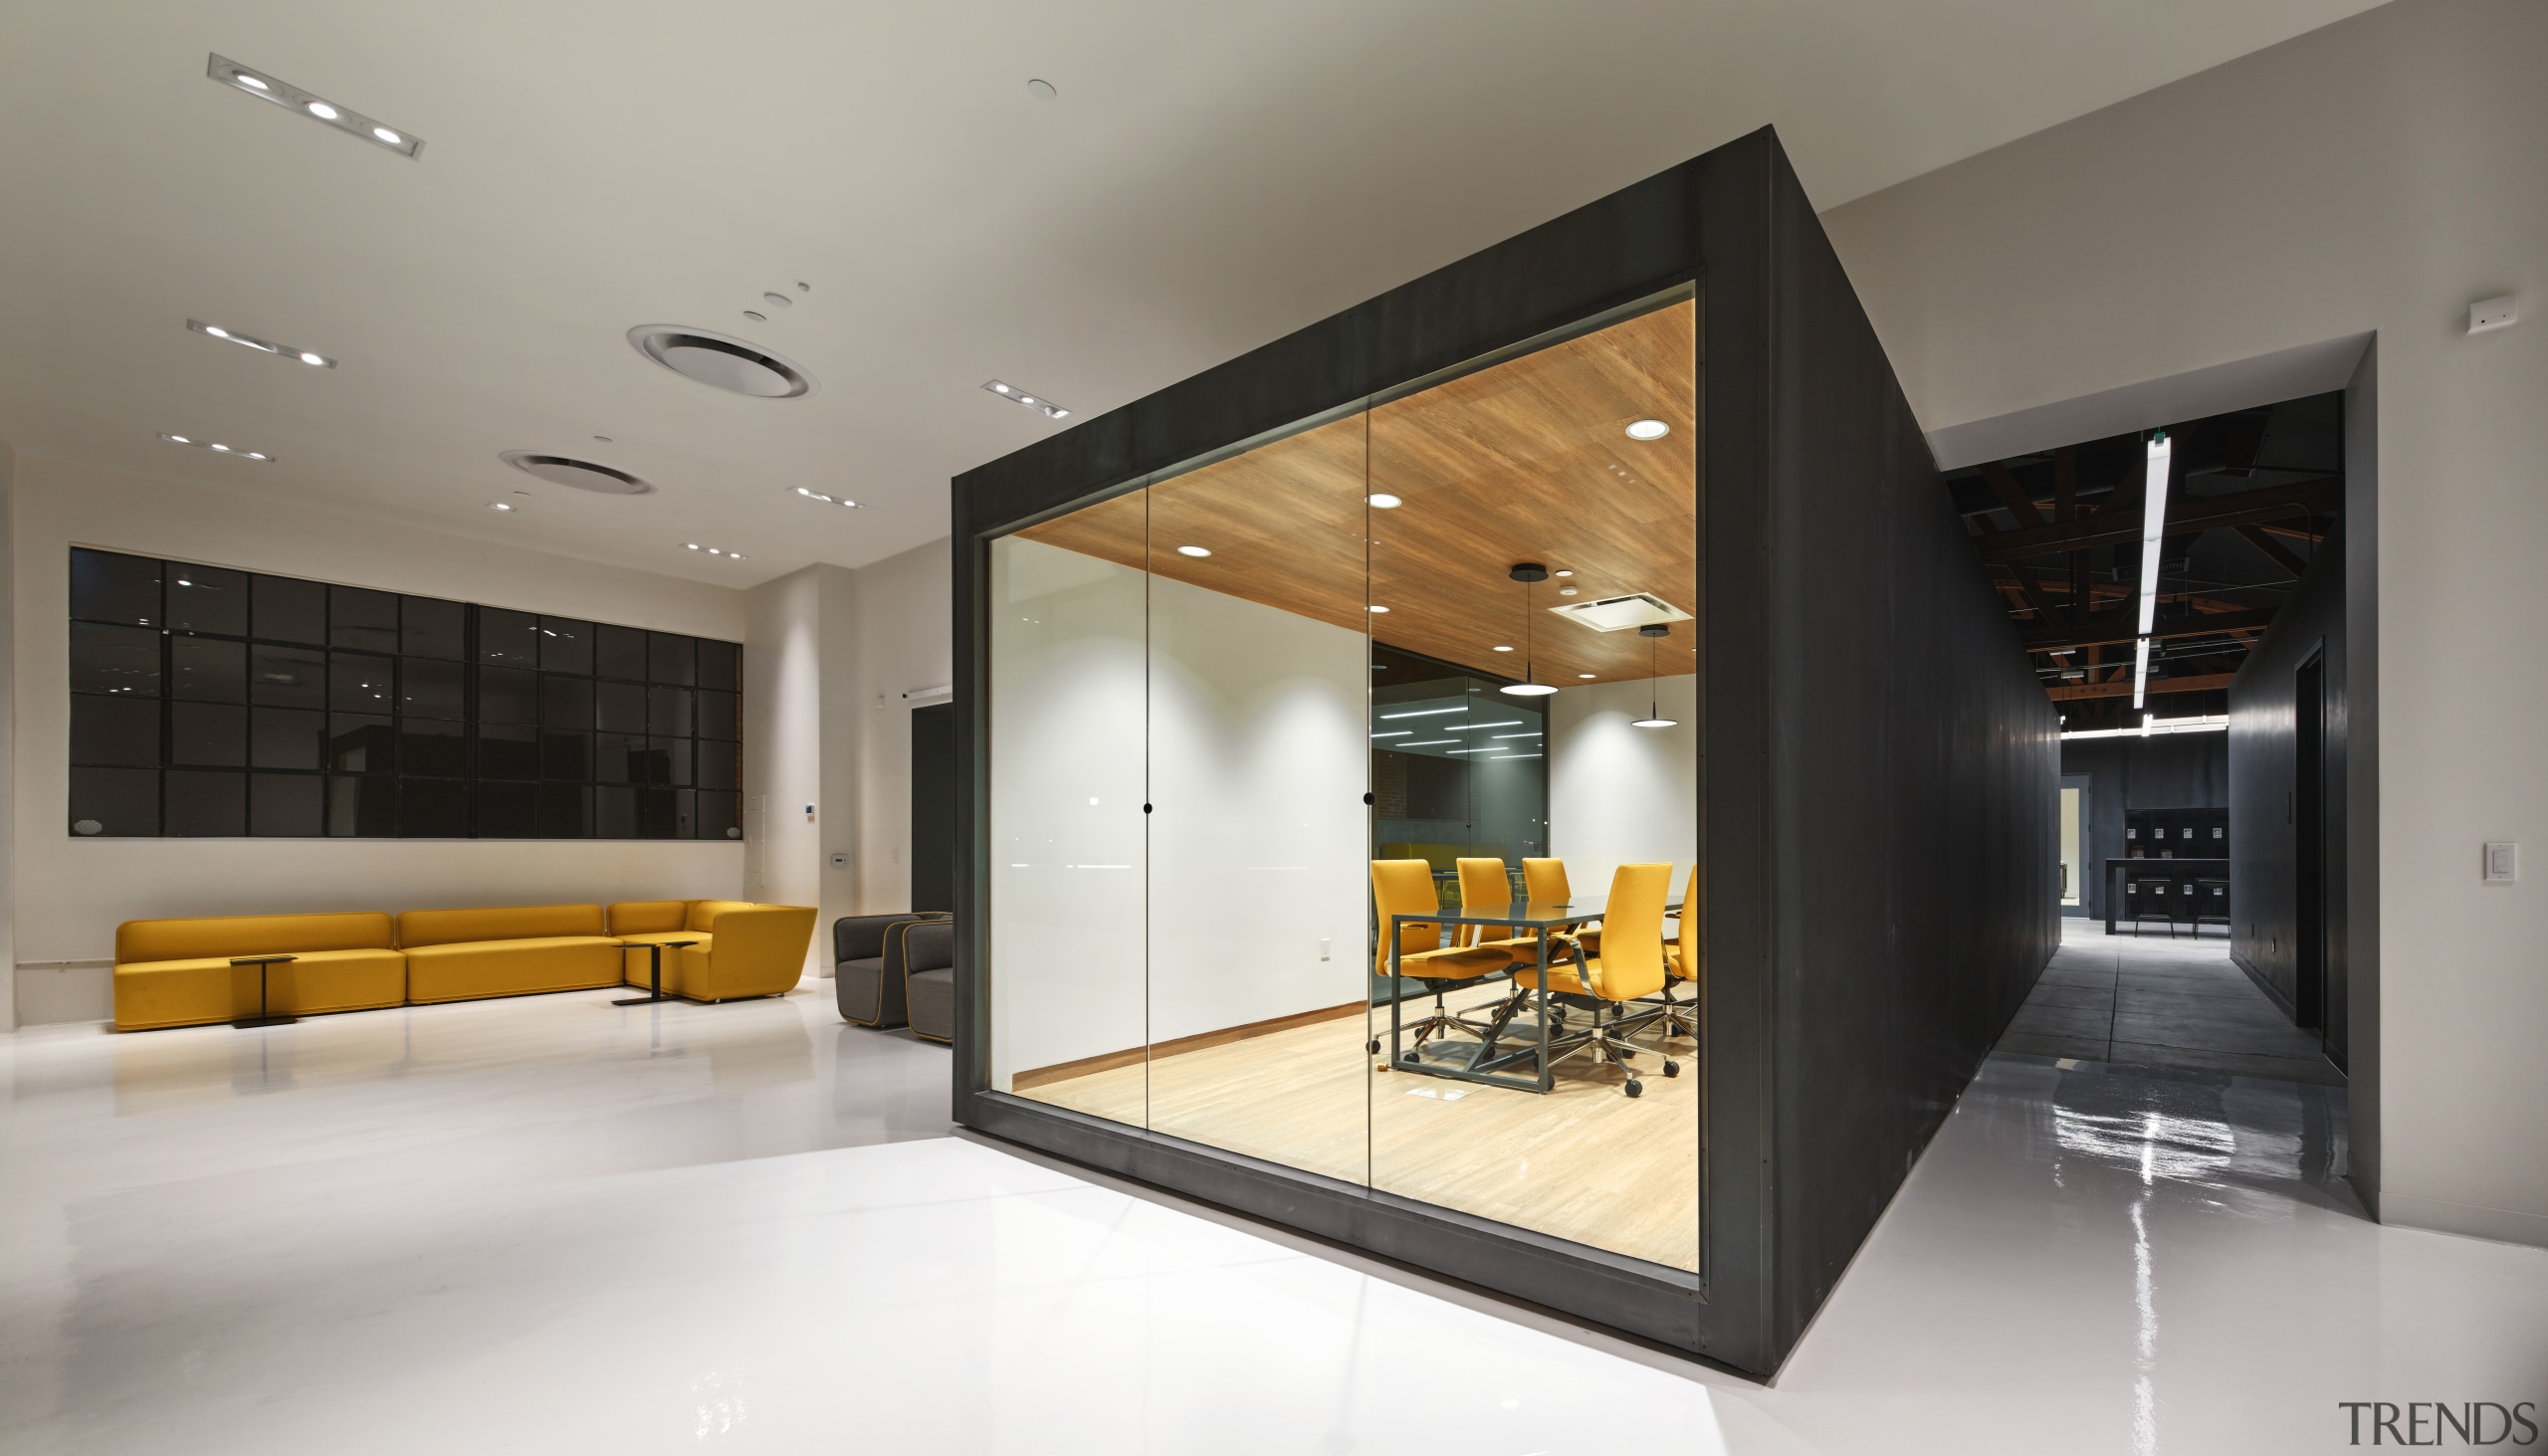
{"type": "Point", "coordinates": [1537, 521]}
{"type": "Point", "coordinates": [1067, 702]}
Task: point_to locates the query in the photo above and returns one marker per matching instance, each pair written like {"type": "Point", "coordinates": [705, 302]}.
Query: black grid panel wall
{"type": "Point", "coordinates": [212, 703]}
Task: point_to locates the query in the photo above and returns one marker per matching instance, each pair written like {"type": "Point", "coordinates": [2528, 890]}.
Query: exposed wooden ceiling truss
{"type": "Point", "coordinates": [2252, 498]}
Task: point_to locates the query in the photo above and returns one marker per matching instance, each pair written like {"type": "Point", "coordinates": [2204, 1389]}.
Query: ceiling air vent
{"type": "Point", "coordinates": [721, 360]}
{"type": "Point", "coordinates": [1619, 613]}
{"type": "Point", "coordinates": [581, 475]}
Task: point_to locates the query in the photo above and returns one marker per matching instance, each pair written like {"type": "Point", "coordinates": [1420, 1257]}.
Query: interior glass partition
{"type": "Point", "coordinates": [1257, 718]}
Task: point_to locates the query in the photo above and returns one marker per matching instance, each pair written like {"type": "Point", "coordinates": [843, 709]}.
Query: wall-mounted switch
{"type": "Point", "coordinates": [809, 813]}
{"type": "Point", "coordinates": [1326, 949]}
{"type": "Point", "coordinates": [2493, 313]}
{"type": "Point", "coordinates": [2503, 863]}
{"type": "Point", "coordinates": [840, 862]}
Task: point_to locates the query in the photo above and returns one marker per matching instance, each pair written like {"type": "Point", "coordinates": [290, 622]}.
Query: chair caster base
{"type": "Point", "coordinates": [1671, 1069]}
{"type": "Point", "coordinates": [1635, 1087]}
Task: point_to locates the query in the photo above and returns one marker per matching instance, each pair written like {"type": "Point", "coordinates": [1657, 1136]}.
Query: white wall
{"type": "Point", "coordinates": [1621, 795]}
{"type": "Point", "coordinates": [8, 730]}
{"type": "Point", "coordinates": [1067, 862]}
{"type": "Point", "coordinates": [2373, 177]}
{"type": "Point", "coordinates": [1260, 755]}
{"type": "Point", "coordinates": [906, 645]}
{"type": "Point", "coordinates": [72, 891]}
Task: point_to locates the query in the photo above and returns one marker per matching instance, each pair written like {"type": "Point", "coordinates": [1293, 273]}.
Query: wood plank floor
{"type": "Point", "coordinates": [1584, 1162]}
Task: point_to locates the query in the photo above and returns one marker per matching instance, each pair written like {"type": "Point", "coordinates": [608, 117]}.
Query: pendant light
{"type": "Point", "coordinates": [1527, 573]}
{"type": "Point", "coordinates": [1654, 633]}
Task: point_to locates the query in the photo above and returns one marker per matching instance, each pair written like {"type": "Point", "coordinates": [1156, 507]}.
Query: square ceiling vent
{"type": "Point", "coordinates": [1619, 613]}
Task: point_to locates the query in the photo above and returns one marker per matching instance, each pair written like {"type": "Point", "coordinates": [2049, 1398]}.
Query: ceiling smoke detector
{"type": "Point", "coordinates": [580, 475]}
{"type": "Point", "coordinates": [721, 360]}
{"type": "Point", "coordinates": [1619, 613]}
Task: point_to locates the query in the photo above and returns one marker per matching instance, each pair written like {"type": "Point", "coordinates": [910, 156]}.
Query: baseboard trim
{"type": "Point", "coordinates": [1109, 1061]}
{"type": "Point", "coordinates": [2282, 1002]}
{"type": "Point", "coordinates": [2471, 1220]}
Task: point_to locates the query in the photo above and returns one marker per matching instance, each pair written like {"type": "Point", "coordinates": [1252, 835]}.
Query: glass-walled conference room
{"type": "Point", "coordinates": [1344, 796]}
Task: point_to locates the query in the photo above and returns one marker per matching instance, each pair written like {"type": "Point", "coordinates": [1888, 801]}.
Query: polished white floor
{"type": "Point", "coordinates": [548, 1225]}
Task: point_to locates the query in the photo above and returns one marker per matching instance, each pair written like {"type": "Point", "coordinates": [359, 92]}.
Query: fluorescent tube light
{"type": "Point", "coordinates": [1396, 733]}
{"type": "Point", "coordinates": [2140, 671]}
{"type": "Point", "coordinates": [1461, 727]}
{"type": "Point", "coordinates": [2154, 525]}
{"type": "Point", "coordinates": [1426, 743]}
{"type": "Point", "coordinates": [1422, 712]}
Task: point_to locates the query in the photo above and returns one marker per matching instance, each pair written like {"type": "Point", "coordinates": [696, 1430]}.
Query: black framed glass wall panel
{"type": "Point", "coordinates": [211, 701]}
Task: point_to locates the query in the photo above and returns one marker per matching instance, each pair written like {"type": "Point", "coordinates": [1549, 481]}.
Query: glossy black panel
{"type": "Point", "coordinates": [361, 743]}
{"type": "Point", "coordinates": [721, 816]}
{"type": "Point", "coordinates": [432, 745]}
{"type": "Point", "coordinates": [433, 808]}
{"type": "Point", "coordinates": [718, 767]}
{"type": "Point", "coordinates": [207, 599]}
{"type": "Point", "coordinates": [361, 683]}
{"type": "Point", "coordinates": [288, 609]}
{"type": "Point", "coordinates": [430, 689]}
{"type": "Point", "coordinates": [672, 764]}
{"type": "Point", "coordinates": [206, 806]}
{"type": "Point", "coordinates": [208, 734]}
{"type": "Point", "coordinates": [114, 731]}
{"type": "Point", "coordinates": [107, 587]}
{"type": "Point", "coordinates": [565, 702]}
{"type": "Point", "coordinates": [364, 620]}
{"type": "Point", "coordinates": [565, 811]}
{"type": "Point", "coordinates": [720, 665]}
{"type": "Point", "coordinates": [508, 750]}
{"type": "Point", "coordinates": [721, 714]}
{"type": "Point", "coordinates": [364, 809]}
{"type": "Point", "coordinates": [658, 814]}
{"type": "Point", "coordinates": [431, 627]}
{"type": "Point", "coordinates": [509, 811]}
{"type": "Point", "coordinates": [286, 677]}
{"type": "Point", "coordinates": [620, 707]}
{"type": "Point", "coordinates": [287, 737]}
{"type": "Point", "coordinates": [508, 639]}
{"type": "Point", "coordinates": [120, 660]}
{"type": "Point", "coordinates": [672, 658]}
{"type": "Point", "coordinates": [620, 651]}
{"type": "Point", "coordinates": [668, 712]}
{"type": "Point", "coordinates": [115, 802]}
{"type": "Point", "coordinates": [207, 670]}
{"type": "Point", "coordinates": [614, 813]}
{"type": "Point", "coordinates": [566, 646]}
{"type": "Point", "coordinates": [565, 754]}
{"type": "Point", "coordinates": [286, 805]}
{"type": "Point", "coordinates": [508, 695]}
{"type": "Point", "coordinates": [619, 757]}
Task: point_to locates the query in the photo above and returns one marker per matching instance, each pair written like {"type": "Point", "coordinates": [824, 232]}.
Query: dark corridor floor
{"type": "Point", "coordinates": [2149, 1001]}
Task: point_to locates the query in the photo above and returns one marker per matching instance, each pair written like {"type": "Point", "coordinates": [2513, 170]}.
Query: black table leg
{"type": "Point", "coordinates": [264, 1016]}
{"type": "Point", "coordinates": [655, 974]}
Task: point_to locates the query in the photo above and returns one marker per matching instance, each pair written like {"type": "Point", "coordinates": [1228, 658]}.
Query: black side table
{"type": "Point", "coordinates": [655, 973]}
{"type": "Point", "coordinates": [262, 1018]}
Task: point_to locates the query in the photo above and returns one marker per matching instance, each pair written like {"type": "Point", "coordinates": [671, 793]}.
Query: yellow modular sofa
{"type": "Point", "coordinates": [742, 950]}
{"type": "Point", "coordinates": [178, 972]}
{"type": "Point", "coordinates": [515, 950]}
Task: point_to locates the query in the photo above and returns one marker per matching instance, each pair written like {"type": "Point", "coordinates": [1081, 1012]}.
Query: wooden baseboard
{"type": "Point", "coordinates": [1109, 1061]}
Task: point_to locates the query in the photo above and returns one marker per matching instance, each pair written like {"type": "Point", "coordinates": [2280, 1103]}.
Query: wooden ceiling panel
{"type": "Point", "coordinates": [1528, 460]}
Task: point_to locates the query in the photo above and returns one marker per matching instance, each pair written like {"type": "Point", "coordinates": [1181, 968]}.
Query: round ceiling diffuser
{"type": "Point", "coordinates": [581, 475]}
{"type": "Point", "coordinates": [721, 360]}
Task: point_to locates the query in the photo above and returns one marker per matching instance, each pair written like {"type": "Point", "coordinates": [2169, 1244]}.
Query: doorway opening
{"type": "Point", "coordinates": [934, 807]}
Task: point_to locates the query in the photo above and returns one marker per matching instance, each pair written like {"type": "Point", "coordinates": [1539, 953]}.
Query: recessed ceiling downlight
{"type": "Point", "coordinates": [721, 360]}
{"type": "Point", "coordinates": [1648, 430]}
{"type": "Point", "coordinates": [580, 475]}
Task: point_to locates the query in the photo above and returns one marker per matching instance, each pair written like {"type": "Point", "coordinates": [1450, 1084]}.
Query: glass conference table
{"type": "Point", "coordinates": [1488, 1064]}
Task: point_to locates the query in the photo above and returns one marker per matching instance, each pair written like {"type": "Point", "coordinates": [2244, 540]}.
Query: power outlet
{"type": "Point", "coordinates": [2493, 313]}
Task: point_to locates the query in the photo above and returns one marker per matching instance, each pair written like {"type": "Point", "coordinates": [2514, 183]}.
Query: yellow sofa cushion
{"type": "Point", "coordinates": [647, 917]}
{"type": "Point", "coordinates": [195, 990]}
{"type": "Point", "coordinates": [250, 935]}
{"type": "Point", "coordinates": [635, 968]}
{"type": "Point", "coordinates": [506, 923]}
{"type": "Point", "coordinates": [757, 951]}
{"type": "Point", "coordinates": [702, 913]}
{"type": "Point", "coordinates": [462, 970]}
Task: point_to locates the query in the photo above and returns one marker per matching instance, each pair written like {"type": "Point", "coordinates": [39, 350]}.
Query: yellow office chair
{"type": "Point", "coordinates": [1546, 880]}
{"type": "Point", "coordinates": [1681, 957]}
{"type": "Point", "coordinates": [1629, 968]}
{"type": "Point", "coordinates": [1486, 884]}
{"type": "Point", "coordinates": [1405, 886]}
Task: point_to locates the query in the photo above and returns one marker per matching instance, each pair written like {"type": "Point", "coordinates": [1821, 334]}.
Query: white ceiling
{"type": "Point", "coordinates": [1212, 177]}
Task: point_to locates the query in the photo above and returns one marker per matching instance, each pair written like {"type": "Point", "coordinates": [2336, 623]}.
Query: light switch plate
{"type": "Point", "coordinates": [2493, 313]}
{"type": "Point", "coordinates": [2503, 863]}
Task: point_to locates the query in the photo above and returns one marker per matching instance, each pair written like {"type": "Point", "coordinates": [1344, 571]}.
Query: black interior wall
{"type": "Point", "coordinates": [1916, 759]}
{"type": "Point", "coordinates": [934, 807]}
{"type": "Point", "coordinates": [2167, 771]}
{"type": "Point", "coordinates": [2264, 933]}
